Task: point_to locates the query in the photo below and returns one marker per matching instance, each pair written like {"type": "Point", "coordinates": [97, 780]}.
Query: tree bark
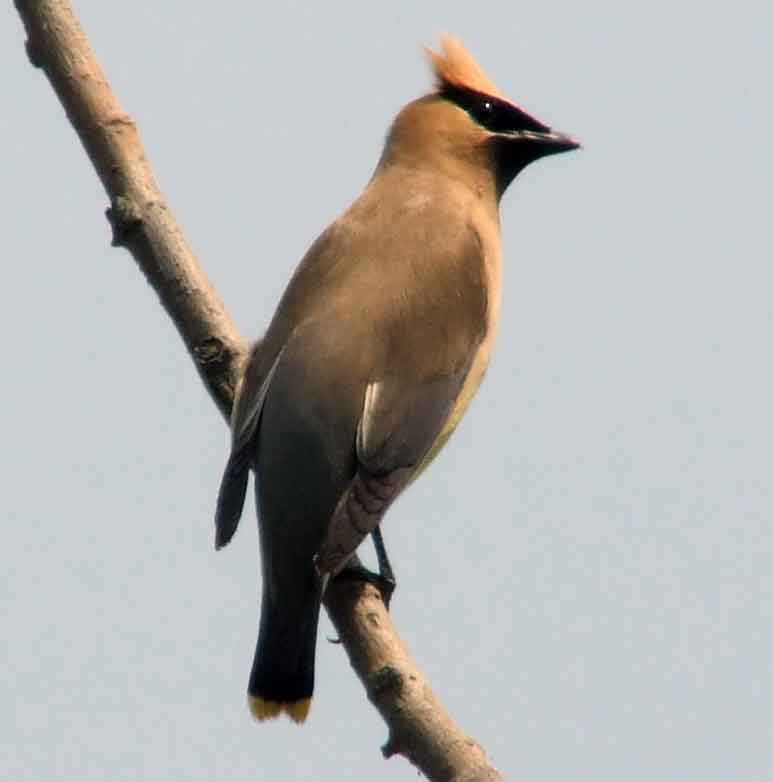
{"type": "Point", "coordinates": [419, 727]}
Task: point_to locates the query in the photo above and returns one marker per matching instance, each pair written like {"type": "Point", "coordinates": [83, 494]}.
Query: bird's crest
{"type": "Point", "coordinates": [454, 66]}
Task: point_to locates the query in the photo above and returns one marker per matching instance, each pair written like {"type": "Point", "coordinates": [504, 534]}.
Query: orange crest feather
{"type": "Point", "coordinates": [456, 67]}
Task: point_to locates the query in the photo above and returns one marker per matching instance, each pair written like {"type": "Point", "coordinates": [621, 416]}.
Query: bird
{"type": "Point", "coordinates": [374, 352]}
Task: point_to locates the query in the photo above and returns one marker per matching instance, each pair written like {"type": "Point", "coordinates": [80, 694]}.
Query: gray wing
{"type": "Point", "coordinates": [244, 425]}
{"type": "Point", "coordinates": [396, 431]}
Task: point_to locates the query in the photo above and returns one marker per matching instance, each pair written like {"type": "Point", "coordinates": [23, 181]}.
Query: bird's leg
{"type": "Point", "coordinates": [384, 565]}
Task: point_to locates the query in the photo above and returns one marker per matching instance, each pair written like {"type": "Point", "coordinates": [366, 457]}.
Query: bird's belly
{"type": "Point", "coordinates": [469, 388]}
{"type": "Point", "coordinates": [478, 366]}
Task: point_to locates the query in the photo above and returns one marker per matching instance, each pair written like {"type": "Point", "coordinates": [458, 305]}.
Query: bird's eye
{"type": "Point", "coordinates": [497, 116]}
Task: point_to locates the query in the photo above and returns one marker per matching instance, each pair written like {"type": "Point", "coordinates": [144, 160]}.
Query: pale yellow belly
{"type": "Point", "coordinates": [471, 385]}
{"type": "Point", "coordinates": [477, 369]}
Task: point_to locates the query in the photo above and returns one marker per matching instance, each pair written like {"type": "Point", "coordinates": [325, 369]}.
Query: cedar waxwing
{"type": "Point", "coordinates": [378, 344]}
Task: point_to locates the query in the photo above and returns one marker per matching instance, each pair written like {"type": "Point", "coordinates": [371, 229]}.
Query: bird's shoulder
{"type": "Point", "coordinates": [418, 244]}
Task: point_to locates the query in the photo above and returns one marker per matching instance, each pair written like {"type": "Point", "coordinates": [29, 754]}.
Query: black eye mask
{"type": "Point", "coordinates": [494, 114]}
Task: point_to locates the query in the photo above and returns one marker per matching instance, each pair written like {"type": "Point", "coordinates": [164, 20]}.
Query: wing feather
{"type": "Point", "coordinates": [244, 425]}
{"type": "Point", "coordinates": [396, 431]}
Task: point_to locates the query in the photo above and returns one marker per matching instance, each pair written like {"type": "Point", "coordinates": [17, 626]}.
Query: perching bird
{"type": "Point", "coordinates": [378, 344]}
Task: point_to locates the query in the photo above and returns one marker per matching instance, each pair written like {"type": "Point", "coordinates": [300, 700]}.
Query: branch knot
{"type": "Point", "coordinates": [34, 54]}
{"type": "Point", "coordinates": [385, 679]}
{"type": "Point", "coordinates": [210, 349]}
{"type": "Point", "coordinates": [125, 217]}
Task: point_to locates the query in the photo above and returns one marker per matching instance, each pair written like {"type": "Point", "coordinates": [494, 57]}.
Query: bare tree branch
{"type": "Point", "coordinates": [419, 728]}
{"type": "Point", "coordinates": [141, 219]}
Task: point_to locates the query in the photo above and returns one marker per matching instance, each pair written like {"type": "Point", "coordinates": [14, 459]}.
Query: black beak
{"type": "Point", "coordinates": [551, 141]}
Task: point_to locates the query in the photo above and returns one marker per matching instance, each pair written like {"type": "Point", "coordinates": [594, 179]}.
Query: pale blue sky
{"type": "Point", "coordinates": [585, 573]}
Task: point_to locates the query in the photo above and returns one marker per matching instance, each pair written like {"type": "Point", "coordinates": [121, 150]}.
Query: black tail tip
{"type": "Point", "coordinates": [223, 535]}
{"type": "Point", "coordinates": [263, 709]}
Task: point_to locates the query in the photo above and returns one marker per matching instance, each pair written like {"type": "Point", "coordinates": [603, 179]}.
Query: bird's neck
{"type": "Point", "coordinates": [458, 180]}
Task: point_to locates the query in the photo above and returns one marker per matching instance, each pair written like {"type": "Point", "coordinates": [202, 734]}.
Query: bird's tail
{"type": "Point", "coordinates": [282, 677]}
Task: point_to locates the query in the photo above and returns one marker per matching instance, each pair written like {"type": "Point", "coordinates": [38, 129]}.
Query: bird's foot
{"type": "Point", "coordinates": [384, 583]}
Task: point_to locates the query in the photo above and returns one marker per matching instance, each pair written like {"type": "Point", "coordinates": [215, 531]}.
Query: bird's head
{"type": "Point", "coordinates": [467, 128]}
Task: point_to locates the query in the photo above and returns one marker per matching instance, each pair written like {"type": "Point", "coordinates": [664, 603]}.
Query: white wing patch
{"type": "Point", "coordinates": [365, 427]}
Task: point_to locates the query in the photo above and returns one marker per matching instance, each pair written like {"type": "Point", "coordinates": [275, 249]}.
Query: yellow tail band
{"type": "Point", "coordinates": [262, 709]}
